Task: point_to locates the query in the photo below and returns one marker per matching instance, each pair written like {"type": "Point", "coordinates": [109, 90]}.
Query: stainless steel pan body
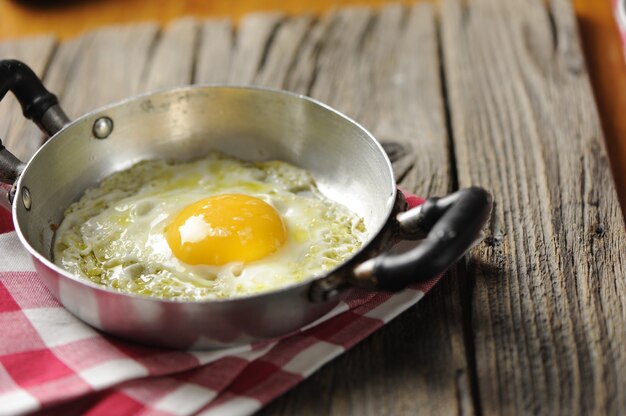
{"type": "Point", "coordinates": [348, 164]}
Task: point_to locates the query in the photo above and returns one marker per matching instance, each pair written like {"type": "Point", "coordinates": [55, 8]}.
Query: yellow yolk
{"type": "Point", "coordinates": [225, 228]}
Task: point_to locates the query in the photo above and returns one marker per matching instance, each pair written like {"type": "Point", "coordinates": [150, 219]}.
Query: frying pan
{"type": "Point", "coordinates": [347, 162]}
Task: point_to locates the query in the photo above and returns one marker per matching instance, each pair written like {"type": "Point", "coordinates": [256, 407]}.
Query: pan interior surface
{"type": "Point", "coordinates": [251, 124]}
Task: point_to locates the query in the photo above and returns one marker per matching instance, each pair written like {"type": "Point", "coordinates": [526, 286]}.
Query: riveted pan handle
{"type": "Point", "coordinates": [10, 169]}
{"type": "Point", "coordinates": [38, 104]}
{"type": "Point", "coordinates": [452, 225]}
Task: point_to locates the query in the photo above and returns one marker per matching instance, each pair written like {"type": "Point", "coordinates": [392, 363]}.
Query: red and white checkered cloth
{"type": "Point", "coordinates": [50, 360]}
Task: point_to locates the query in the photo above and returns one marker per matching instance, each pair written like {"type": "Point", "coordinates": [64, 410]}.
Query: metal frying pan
{"type": "Point", "coordinates": [348, 164]}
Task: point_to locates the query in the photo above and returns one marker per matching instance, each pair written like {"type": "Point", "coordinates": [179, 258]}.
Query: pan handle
{"type": "Point", "coordinates": [10, 169]}
{"type": "Point", "coordinates": [38, 104]}
{"type": "Point", "coordinates": [452, 223]}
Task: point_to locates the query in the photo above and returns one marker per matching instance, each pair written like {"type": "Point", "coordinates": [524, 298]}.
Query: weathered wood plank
{"type": "Point", "coordinates": [101, 67]}
{"type": "Point", "coordinates": [405, 105]}
{"type": "Point", "coordinates": [302, 74]}
{"type": "Point", "coordinates": [18, 134]}
{"type": "Point", "coordinates": [214, 52]}
{"type": "Point", "coordinates": [283, 52]}
{"type": "Point", "coordinates": [549, 311]}
{"type": "Point", "coordinates": [254, 35]}
{"type": "Point", "coordinates": [339, 75]}
{"type": "Point", "coordinates": [172, 62]}
{"type": "Point", "coordinates": [383, 69]}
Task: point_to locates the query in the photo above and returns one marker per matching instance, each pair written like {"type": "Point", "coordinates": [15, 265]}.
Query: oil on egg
{"type": "Point", "coordinates": [225, 228]}
{"type": "Point", "coordinates": [213, 228]}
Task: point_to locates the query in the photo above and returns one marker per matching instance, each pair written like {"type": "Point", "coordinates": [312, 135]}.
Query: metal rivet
{"type": "Point", "coordinates": [102, 128]}
{"type": "Point", "coordinates": [26, 200]}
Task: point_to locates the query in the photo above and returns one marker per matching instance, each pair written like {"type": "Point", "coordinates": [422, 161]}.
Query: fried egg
{"type": "Point", "coordinates": [212, 228]}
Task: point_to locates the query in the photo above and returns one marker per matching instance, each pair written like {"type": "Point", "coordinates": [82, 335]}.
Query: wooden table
{"type": "Point", "coordinates": [493, 93]}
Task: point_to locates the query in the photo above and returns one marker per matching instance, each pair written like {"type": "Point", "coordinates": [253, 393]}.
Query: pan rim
{"type": "Point", "coordinates": [195, 88]}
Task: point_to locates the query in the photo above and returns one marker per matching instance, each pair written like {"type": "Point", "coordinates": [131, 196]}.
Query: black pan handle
{"type": "Point", "coordinates": [452, 225]}
{"type": "Point", "coordinates": [38, 104]}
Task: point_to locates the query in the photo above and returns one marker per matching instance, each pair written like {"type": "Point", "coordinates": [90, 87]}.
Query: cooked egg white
{"type": "Point", "coordinates": [212, 228]}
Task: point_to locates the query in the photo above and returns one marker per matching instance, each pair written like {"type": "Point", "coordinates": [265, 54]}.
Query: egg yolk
{"type": "Point", "coordinates": [225, 228]}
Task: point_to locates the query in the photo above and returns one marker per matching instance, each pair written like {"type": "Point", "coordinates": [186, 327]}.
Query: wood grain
{"type": "Point", "coordinates": [282, 53]}
{"type": "Point", "coordinates": [548, 310]}
{"type": "Point", "coordinates": [172, 57]}
{"type": "Point", "coordinates": [214, 53]}
{"type": "Point", "coordinates": [101, 67]}
{"type": "Point", "coordinates": [253, 38]}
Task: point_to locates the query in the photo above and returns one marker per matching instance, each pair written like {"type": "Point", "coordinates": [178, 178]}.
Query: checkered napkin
{"type": "Point", "coordinates": [50, 360]}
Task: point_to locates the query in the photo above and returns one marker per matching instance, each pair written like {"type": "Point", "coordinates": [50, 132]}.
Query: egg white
{"type": "Point", "coordinates": [114, 235]}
